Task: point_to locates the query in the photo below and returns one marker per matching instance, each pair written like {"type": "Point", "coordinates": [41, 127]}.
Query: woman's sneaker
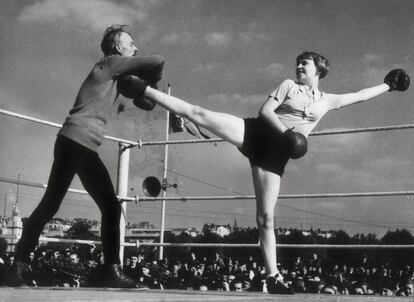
{"type": "Point", "coordinates": [276, 285]}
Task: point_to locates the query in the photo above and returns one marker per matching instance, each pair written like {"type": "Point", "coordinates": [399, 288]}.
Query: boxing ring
{"type": "Point", "coordinates": [86, 294]}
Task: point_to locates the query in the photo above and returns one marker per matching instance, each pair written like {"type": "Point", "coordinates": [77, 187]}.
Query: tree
{"type": "Point", "coordinates": [247, 236]}
{"type": "Point", "coordinates": [81, 230]}
{"type": "Point", "coordinates": [398, 237]}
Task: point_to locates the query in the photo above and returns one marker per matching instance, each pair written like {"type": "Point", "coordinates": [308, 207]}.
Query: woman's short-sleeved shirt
{"type": "Point", "coordinates": [301, 107]}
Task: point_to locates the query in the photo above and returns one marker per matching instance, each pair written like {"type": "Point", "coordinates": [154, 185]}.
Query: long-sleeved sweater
{"type": "Point", "coordinates": [96, 100]}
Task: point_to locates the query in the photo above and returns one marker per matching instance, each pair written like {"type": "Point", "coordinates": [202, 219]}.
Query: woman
{"type": "Point", "coordinates": [76, 153]}
{"type": "Point", "coordinates": [269, 140]}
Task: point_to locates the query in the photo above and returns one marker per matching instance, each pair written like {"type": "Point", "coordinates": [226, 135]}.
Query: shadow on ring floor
{"type": "Point", "coordinates": [49, 294]}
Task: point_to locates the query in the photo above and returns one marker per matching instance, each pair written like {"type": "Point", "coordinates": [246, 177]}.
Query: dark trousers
{"type": "Point", "coordinates": [70, 158]}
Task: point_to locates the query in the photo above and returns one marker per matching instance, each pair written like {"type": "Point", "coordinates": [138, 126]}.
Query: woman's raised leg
{"type": "Point", "coordinates": [226, 126]}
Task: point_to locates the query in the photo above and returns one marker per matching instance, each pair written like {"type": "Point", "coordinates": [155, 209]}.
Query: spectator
{"type": "Point", "coordinates": [299, 266]}
{"type": "Point", "coordinates": [186, 276]}
{"type": "Point", "coordinates": [174, 281]}
{"type": "Point", "coordinates": [315, 261]}
{"type": "Point", "coordinates": [364, 262]}
{"type": "Point", "coordinates": [72, 272]}
{"type": "Point", "coordinates": [50, 268]}
{"type": "Point", "coordinates": [313, 279]}
{"type": "Point", "coordinates": [405, 288]}
{"type": "Point", "coordinates": [10, 261]}
{"type": "Point", "coordinates": [193, 261]}
{"type": "Point", "coordinates": [218, 260]}
{"type": "Point", "coordinates": [2, 271]}
{"type": "Point", "coordinates": [237, 285]}
{"type": "Point", "coordinates": [148, 279]}
{"type": "Point", "coordinates": [134, 270]}
{"type": "Point", "coordinates": [164, 272]}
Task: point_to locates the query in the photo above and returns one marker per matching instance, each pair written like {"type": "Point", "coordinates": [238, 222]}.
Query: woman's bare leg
{"type": "Point", "coordinates": [266, 186]}
{"type": "Point", "coordinates": [226, 126]}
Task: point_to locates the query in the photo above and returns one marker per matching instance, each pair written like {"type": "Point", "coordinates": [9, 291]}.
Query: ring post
{"type": "Point", "coordinates": [164, 180]}
{"type": "Point", "coordinates": [122, 191]}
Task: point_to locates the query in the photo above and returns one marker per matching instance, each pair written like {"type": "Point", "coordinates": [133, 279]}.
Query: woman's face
{"type": "Point", "coordinates": [306, 71]}
{"type": "Point", "coordinates": [126, 46]}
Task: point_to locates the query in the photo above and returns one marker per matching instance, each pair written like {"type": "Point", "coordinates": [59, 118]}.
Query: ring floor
{"type": "Point", "coordinates": [46, 294]}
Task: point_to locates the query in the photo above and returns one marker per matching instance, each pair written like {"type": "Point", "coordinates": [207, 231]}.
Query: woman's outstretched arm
{"type": "Point", "coordinates": [395, 80]}
{"type": "Point", "coordinates": [365, 94]}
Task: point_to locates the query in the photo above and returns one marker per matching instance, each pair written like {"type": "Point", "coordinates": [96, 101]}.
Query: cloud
{"type": "Point", "coordinates": [218, 39]}
{"type": "Point", "coordinates": [371, 58]}
{"type": "Point", "coordinates": [371, 72]}
{"type": "Point", "coordinates": [182, 38]}
{"type": "Point", "coordinates": [329, 168]}
{"type": "Point", "coordinates": [93, 14]}
{"type": "Point", "coordinates": [208, 66]}
{"type": "Point", "coordinates": [273, 70]}
{"type": "Point", "coordinates": [251, 37]}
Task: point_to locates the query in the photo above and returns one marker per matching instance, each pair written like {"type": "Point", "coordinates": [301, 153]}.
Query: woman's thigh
{"type": "Point", "coordinates": [266, 186]}
{"type": "Point", "coordinates": [226, 126]}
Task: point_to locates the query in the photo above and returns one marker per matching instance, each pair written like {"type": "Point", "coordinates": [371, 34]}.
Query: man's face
{"type": "Point", "coordinates": [74, 258]}
{"type": "Point", "coordinates": [238, 287]}
{"type": "Point", "coordinates": [410, 289]}
{"type": "Point", "coordinates": [125, 45]}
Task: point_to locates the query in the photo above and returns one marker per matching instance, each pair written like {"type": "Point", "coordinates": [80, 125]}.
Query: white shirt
{"type": "Point", "coordinates": [301, 107]}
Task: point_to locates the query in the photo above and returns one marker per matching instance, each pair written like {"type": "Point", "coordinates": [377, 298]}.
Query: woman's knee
{"type": "Point", "coordinates": [265, 221]}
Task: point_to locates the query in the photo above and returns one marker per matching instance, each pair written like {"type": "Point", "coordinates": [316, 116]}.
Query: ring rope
{"type": "Point", "coordinates": [45, 122]}
{"type": "Point", "coordinates": [140, 143]}
{"type": "Point", "coordinates": [281, 196]}
{"type": "Point", "coordinates": [241, 197]}
{"type": "Point", "coordinates": [315, 133]}
{"type": "Point", "coordinates": [229, 245]}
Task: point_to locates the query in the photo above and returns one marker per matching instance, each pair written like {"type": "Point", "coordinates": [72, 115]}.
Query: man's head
{"type": "Point", "coordinates": [134, 260]}
{"type": "Point", "coordinates": [74, 258]}
{"type": "Point", "coordinates": [117, 41]}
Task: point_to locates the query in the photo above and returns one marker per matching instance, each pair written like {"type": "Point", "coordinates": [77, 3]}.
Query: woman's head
{"type": "Point", "coordinates": [321, 63]}
{"type": "Point", "coordinates": [117, 41]}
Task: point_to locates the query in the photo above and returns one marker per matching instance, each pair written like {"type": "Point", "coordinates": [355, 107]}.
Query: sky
{"type": "Point", "coordinates": [227, 56]}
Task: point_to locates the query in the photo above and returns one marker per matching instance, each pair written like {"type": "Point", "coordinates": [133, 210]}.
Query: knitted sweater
{"type": "Point", "coordinates": [96, 100]}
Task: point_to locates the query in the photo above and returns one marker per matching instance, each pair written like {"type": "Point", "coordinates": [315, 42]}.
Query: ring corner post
{"type": "Point", "coordinates": [122, 191]}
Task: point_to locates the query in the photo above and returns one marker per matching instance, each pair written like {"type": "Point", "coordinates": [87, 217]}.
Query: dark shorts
{"type": "Point", "coordinates": [264, 147]}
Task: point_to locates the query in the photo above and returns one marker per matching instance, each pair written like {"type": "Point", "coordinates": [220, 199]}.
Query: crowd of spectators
{"type": "Point", "coordinates": [312, 275]}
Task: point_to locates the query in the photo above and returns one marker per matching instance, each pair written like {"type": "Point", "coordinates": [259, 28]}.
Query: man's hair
{"type": "Point", "coordinates": [321, 63]}
{"type": "Point", "coordinates": [110, 38]}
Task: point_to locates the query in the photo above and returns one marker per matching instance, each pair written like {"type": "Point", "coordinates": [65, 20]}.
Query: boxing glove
{"type": "Point", "coordinates": [397, 79]}
{"type": "Point", "coordinates": [297, 143]}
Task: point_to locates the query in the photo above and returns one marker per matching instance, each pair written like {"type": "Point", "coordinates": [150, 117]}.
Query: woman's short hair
{"type": "Point", "coordinates": [110, 38]}
{"type": "Point", "coordinates": [321, 63]}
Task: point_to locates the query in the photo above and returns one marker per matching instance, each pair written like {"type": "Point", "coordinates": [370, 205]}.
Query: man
{"type": "Point", "coordinates": [76, 153]}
